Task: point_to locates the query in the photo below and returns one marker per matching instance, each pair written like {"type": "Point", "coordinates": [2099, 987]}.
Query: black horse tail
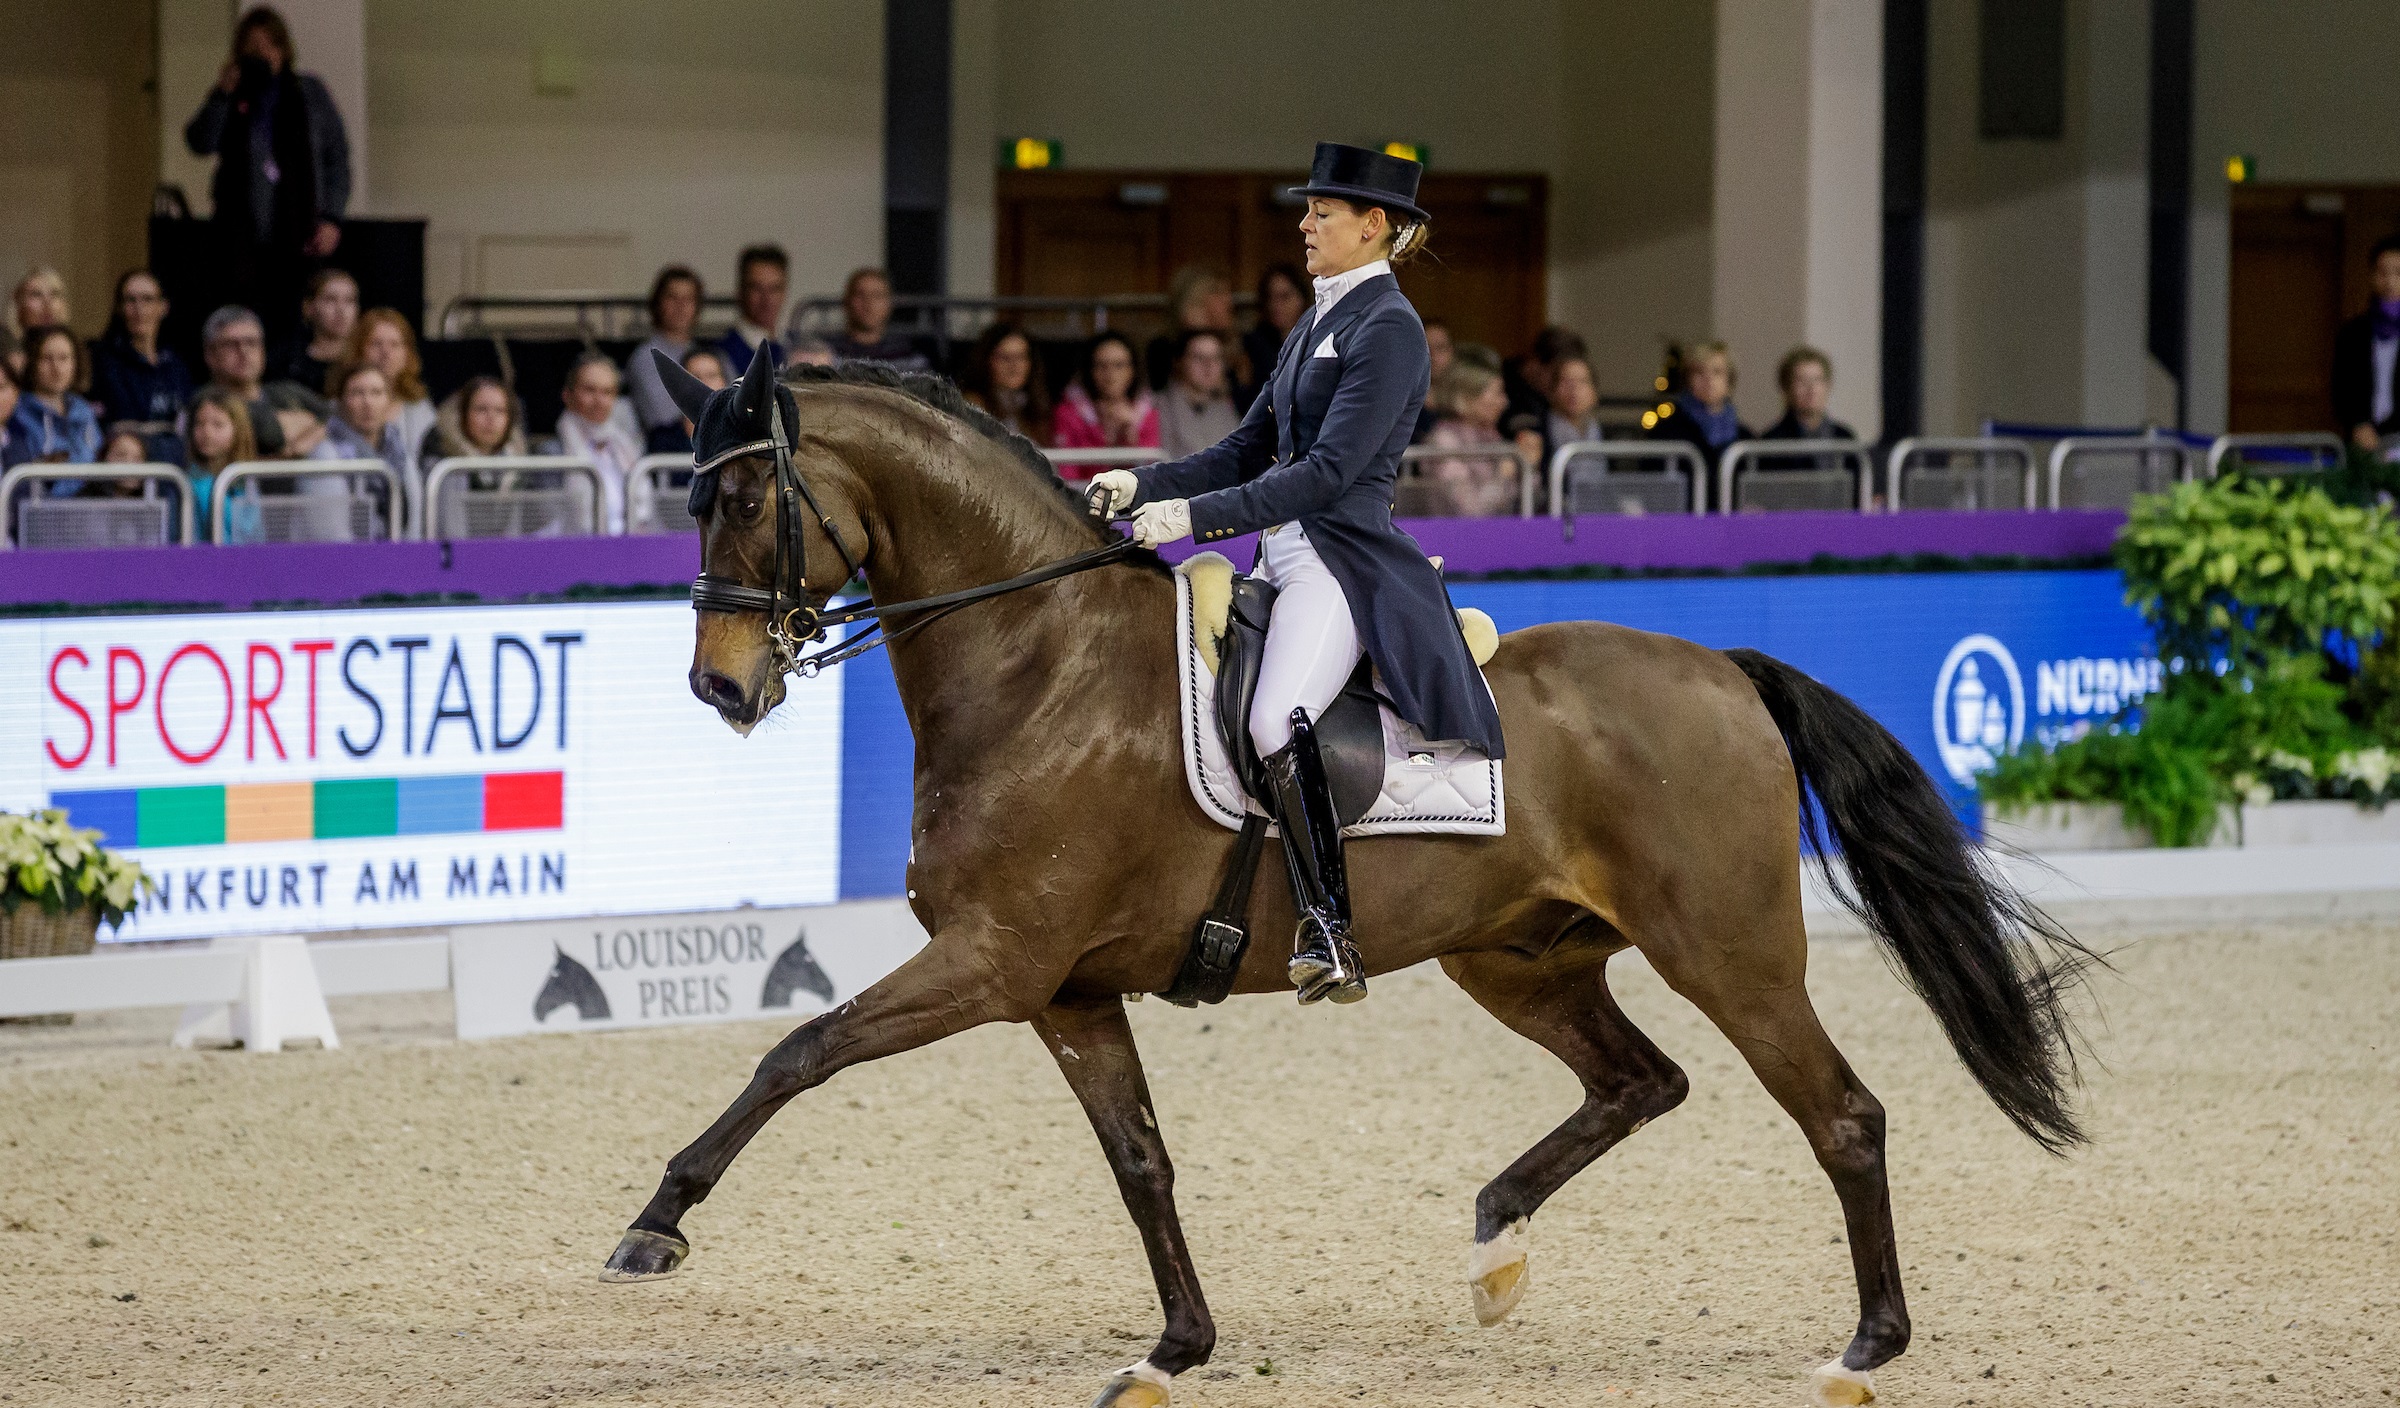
{"type": "Point", "coordinates": [1961, 935]}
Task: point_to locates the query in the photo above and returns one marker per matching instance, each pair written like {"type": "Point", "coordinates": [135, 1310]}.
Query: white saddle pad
{"type": "Point", "coordinates": [1448, 789]}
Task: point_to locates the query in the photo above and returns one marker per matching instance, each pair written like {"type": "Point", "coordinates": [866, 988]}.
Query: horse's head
{"type": "Point", "coordinates": [782, 527]}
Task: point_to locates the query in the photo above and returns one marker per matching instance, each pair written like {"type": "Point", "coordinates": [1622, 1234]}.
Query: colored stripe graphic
{"type": "Point", "coordinates": [151, 817]}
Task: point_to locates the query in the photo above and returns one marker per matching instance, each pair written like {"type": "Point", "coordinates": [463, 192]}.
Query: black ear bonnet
{"type": "Point", "coordinates": [730, 423]}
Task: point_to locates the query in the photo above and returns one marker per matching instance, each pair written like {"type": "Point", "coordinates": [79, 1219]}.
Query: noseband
{"type": "Point", "coordinates": [792, 620]}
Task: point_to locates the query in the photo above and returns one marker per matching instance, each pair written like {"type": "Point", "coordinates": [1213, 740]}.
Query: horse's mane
{"type": "Point", "coordinates": [941, 394]}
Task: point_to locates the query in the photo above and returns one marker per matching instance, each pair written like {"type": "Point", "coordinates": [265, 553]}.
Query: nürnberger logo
{"type": "Point", "coordinates": [1978, 707]}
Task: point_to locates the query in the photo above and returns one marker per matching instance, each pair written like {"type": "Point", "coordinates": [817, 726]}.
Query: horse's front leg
{"type": "Point", "coordinates": [946, 988]}
{"type": "Point", "coordinates": [1094, 1048]}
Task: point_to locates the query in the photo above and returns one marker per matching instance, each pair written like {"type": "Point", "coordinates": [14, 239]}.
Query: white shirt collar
{"type": "Point", "coordinates": [1330, 290]}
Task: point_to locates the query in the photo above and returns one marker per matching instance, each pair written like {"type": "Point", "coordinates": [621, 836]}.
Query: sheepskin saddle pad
{"type": "Point", "coordinates": [1429, 788]}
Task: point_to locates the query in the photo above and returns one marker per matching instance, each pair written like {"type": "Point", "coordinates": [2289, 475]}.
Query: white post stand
{"type": "Point", "coordinates": [280, 1001]}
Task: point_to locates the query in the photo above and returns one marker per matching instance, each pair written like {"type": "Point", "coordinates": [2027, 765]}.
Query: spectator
{"type": "Point", "coordinates": [866, 325]}
{"type": "Point", "coordinates": [590, 429]}
{"type": "Point", "coordinates": [282, 182]}
{"type": "Point", "coordinates": [1806, 376]}
{"type": "Point", "coordinates": [1574, 406]}
{"type": "Point", "coordinates": [1196, 410]}
{"type": "Point", "coordinates": [708, 367]}
{"type": "Point", "coordinates": [124, 445]}
{"type": "Point", "coordinates": [1199, 299]}
{"type": "Point", "coordinates": [763, 278]}
{"type": "Point", "coordinates": [134, 380]}
{"type": "Point", "coordinates": [1106, 405]}
{"type": "Point", "coordinates": [809, 350]}
{"type": "Point", "coordinates": [8, 413]}
{"type": "Point", "coordinates": [384, 341]}
{"type": "Point", "coordinates": [1530, 377]}
{"type": "Point", "coordinates": [479, 418]}
{"type": "Point", "coordinates": [1440, 352]}
{"type": "Point", "coordinates": [234, 348]}
{"type": "Point", "coordinates": [52, 422]}
{"type": "Point", "coordinates": [1283, 295]}
{"type": "Point", "coordinates": [1472, 399]}
{"type": "Point", "coordinates": [1004, 378]}
{"type": "Point", "coordinates": [327, 319]}
{"type": "Point", "coordinates": [1702, 414]}
{"type": "Point", "coordinates": [2366, 356]}
{"type": "Point", "coordinates": [365, 425]}
{"type": "Point", "coordinates": [219, 435]}
{"type": "Point", "coordinates": [39, 301]}
{"type": "Point", "coordinates": [675, 297]}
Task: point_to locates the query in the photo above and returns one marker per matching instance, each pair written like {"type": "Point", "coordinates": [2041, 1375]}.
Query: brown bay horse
{"type": "Point", "coordinates": [1655, 800]}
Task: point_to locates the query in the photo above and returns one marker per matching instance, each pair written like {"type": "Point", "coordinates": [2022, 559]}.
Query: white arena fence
{"type": "Point", "coordinates": [308, 501]}
{"type": "Point", "coordinates": [39, 516]}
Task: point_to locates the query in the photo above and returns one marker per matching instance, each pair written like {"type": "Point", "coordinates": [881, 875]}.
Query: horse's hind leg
{"type": "Point", "coordinates": [1560, 1001]}
{"type": "Point", "coordinates": [1094, 1049]}
{"type": "Point", "coordinates": [942, 990]}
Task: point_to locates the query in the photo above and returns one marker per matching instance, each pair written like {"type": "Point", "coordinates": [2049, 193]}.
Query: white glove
{"type": "Point", "coordinates": [1121, 484]}
{"type": "Point", "coordinates": [1155, 525]}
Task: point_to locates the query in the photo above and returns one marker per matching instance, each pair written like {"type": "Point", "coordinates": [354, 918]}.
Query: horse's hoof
{"type": "Point", "coordinates": [644, 1256]}
{"type": "Point", "coordinates": [1135, 1386]}
{"type": "Point", "coordinates": [1497, 1273]}
{"type": "Point", "coordinates": [1837, 1385]}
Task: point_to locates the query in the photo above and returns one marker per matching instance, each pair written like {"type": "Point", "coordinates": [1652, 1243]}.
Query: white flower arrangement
{"type": "Point", "coordinates": [2366, 775]}
{"type": "Point", "coordinates": [46, 862]}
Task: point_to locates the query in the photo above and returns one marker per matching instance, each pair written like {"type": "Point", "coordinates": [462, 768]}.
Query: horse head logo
{"type": "Point", "coordinates": [1978, 707]}
{"type": "Point", "coordinates": [571, 985]}
{"type": "Point", "coordinates": [795, 967]}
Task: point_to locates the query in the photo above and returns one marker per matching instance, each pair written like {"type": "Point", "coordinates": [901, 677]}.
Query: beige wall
{"type": "Point", "coordinates": [689, 134]}
{"type": "Point", "coordinates": [76, 145]}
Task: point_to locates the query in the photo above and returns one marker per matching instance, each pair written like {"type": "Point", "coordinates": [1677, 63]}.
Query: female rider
{"type": "Point", "coordinates": [1313, 466]}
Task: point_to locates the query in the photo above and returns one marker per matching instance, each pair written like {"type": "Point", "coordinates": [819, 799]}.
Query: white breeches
{"type": "Point", "coordinates": [1312, 644]}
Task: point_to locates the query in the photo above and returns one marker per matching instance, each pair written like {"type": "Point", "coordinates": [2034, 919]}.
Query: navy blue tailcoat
{"type": "Point", "coordinates": [1322, 449]}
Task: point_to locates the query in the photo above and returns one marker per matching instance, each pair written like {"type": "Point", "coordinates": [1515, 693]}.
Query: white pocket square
{"type": "Point", "coordinates": [1325, 348]}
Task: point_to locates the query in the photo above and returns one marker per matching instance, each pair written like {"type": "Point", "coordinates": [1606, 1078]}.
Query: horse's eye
{"type": "Point", "coordinates": [749, 509]}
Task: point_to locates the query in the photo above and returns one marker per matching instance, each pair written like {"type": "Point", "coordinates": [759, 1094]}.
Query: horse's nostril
{"type": "Point", "coordinates": [718, 690]}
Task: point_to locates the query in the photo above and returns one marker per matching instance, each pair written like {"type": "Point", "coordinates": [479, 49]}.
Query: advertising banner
{"type": "Point", "coordinates": [657, 970]}
{"type": "Point", "coordinates": [317, 771]}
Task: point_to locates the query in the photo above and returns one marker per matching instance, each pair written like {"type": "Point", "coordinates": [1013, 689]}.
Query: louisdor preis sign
{"type": "Point", "coordinates": [327, 770]}
{"type": "Point", "coordinates": [673, 969]}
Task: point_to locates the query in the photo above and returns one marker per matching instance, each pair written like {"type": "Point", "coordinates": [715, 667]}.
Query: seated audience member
{"type": "Point", "coordinates": [217, 431]}
{"type": "Point", "coordinates": [675, 297]}
{"type": "Point", "coordinates": [866, 325]}
{"type": "Point", "coordinates": [2366, 356]}
{"type": "Point", "coordinates": [327, 318]}
{"type": "Point", "coordinates": [233, 346]}
{"type": "Point", "coordinates": [1283, 296]}
{"type": "Point", "coordinates": [809, 350]}
{"type": "Point", "coordinates": [1004, 379]}
{"type": "Point", "coordinates": [52, 422]}
{"type": "Point", "coordinates": [8, 413]}
{"type": "Point", "coordinates": [1472, 399]}
{"type": "Point", "coordinates": [479, 419]}
{"type": "Point", "coordinates": [762, 281]}
{"type": "Point", "coordinates": [1106, 405]}
{"type": "Point", "coordinates": [1529, 377]}
{"type": "Point", "coordinates": [1200, 300]}
{"type": "Point", "coordinates": [38, 301]}
{"type": "Point", "coordinates": [1574, 406]}
{"type": "Point", "coordinates": [365, 426]}
{"type": "Point", "coordinates": [1196, 410]}
{"type": "Point", "coordinates": [135, 381]}
{"type": "Point", "coordinates": [383, 340]}
{"type": "Point", "coordinates": [1702, 414]}
{"type": "Point", "coordinates": [1806, 376]}
{"type": "Point", "coordinates": [123, 445]}
{"type": "Point", "coordinates": [708, 366]}
{"type": "Point", "coordinates": [589, 429]}
{"type": "Point", "coordinates": [1440, 352]}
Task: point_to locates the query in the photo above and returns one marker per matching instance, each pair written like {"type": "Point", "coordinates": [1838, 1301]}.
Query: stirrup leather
{"type": "Point", "coordinates": [1325, 960]}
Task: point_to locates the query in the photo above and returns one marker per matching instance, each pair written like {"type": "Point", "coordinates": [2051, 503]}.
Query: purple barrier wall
{"type": "Point", "coordinates": [241, 577]}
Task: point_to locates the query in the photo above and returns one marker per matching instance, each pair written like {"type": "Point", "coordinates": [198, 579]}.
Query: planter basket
{"type": "Point", "coordinates": [31, 932]}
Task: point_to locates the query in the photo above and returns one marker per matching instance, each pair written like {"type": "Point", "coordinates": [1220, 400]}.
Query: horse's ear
{"type": "Point", "coordinates": [753, 406]}
{"type": "Point", "coordinates": [689, 393]}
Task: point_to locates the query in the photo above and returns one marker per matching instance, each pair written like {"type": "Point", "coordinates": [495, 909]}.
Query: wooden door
{"type": "Point", "coordinates": [2286, 304]}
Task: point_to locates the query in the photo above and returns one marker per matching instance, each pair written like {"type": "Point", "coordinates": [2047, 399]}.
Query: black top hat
{"type": "Point", "coordinates": [1366, 177]}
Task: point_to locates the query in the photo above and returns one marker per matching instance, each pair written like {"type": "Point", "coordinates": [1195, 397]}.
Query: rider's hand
{"type": "Point", "coordinates": [1121, 484]}
{"type": "Point", "coordinates": [1160, 523]}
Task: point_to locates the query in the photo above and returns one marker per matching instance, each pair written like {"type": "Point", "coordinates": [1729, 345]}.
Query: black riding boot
{"type": "Point", "coordinates": [1325, 962]}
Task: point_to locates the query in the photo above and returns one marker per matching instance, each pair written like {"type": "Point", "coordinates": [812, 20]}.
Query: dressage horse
{"type": "Point", "coordinates": [1657, 797]}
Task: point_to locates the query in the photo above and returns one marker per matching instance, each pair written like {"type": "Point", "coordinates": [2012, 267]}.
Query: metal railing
{"type": "Point", "coordinates": [329, 509]}
{"type": "Point", "coordinates": [1807, 483]}
{"type": "Point", "coordinates": [530, 496]}
{"type": "Point", "coordinates": [96, 522]}
{"type": "Point", "coordinates": [2299, 454]}
{"type": "Point", "coordinates": [1084, 463]}
{"type": "Point", "coordinates": [1984, 484]}
{"type": "Point", "coordinates": [1675, 488]}
{"type": "Point", "coordinates": [591, 314]}
{"type": "Point", "coordinates": [1419, 495]}
{"type": "Point", "coordinates": [669, 503]}
{"type": "Point", "coordinates": [2113, 487]}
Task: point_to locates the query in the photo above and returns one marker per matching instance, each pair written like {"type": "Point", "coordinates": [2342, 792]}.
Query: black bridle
{"type": "Point", "coordinates": [793, 621]}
